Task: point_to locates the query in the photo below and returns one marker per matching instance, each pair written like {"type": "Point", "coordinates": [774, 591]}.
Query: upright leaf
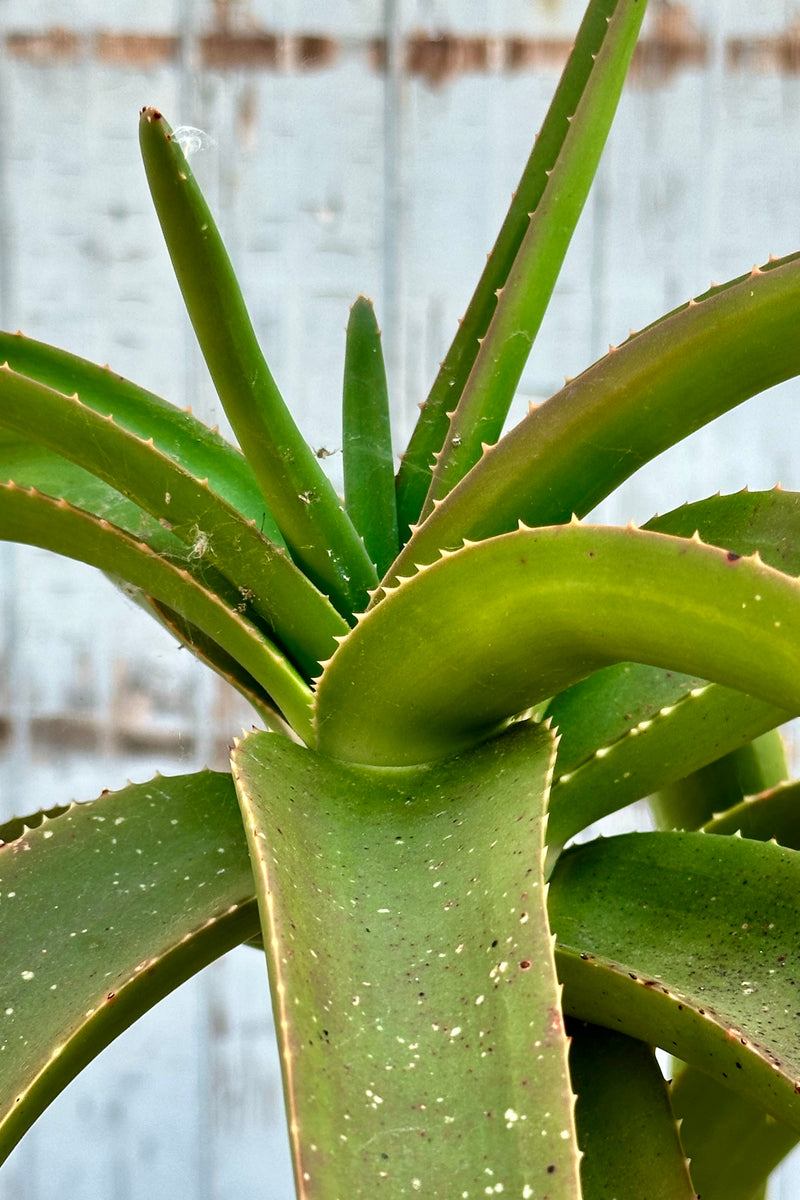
{"type": "Point", "coordinates": [367, 439]}
{"type": "Point", "coordinates": [429, 435]}
{"type": "Point", "coordinates": [317, 530]}
{"type": "Point", "coordinates": [525, 293]}
{"type": "Point", "coordinates": [412, 971]}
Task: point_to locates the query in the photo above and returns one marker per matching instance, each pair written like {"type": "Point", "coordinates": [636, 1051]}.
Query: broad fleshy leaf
{"type": "Point", "coordinates": [412, 972]}
{"type": "Point", "coordinates": [266, 579]}
{"type": "Point", "coordinates": [307, 509]}
{"type": "Point", "coordinates": [656, 388]}
{"type": "Point", "coordinates": [106, 907]}
{"type": "Point", "coordinates": [722, 996]}
{"type": "Point", "coordinates": [629, 730]}
{"type": "Point", "coordinates": [203, 452]}
{"type": "Point", "coordinates": [574, 599]}
{"type": "Point", "coordinates": [626, 1128]}
{"type": "Point", "coordinates": [27, 516]}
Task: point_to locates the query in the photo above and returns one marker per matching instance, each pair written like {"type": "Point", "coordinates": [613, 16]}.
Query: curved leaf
{"type": "Point", "coordinates": [266, 579]}
{"type": "Point", "coordinates": [772, 814]}
{"type": "Point", "coordinates": [414, 476]}
{"type": "Point", "coordinates": [105, 909]}
{"type": "Point", "coordinates": [574, 598]}
{"type": "Point", "coordinates": [745, 521]}
{"type": "Point", "coordinates": [629, 730]}
{"type": "Point", "coordinates": [210, 653]}
{"type": "Point", "coordinates": [54, 525]}
{"type": "Point", "coordinates": [626, 1128]}
{"type": "Point", "coordinates": [661, 385]}
{"type": "Point", "coordinates": [412, 971]}
{"type": "Point", "coordinates": [733, 1144]}
{"type": "Point", "coordinates": [34, 467]}
{"type": "Point", "coordinates": [318, 531]}
{"type": "Point", "coordinates": [723, 995]}
{"type": "Point", "coordinates": [656, 726]}
{"type": "Point", "coordinates": [691, 801]}
{"type": "Point", "coordinates": [200, 450]}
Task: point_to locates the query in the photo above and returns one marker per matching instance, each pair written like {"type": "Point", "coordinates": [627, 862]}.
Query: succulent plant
{"type": "Point", "coordinates": [455, 675]}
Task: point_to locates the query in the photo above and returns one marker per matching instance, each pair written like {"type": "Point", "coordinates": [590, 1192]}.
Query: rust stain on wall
{"type": "Point", "coordinates": [146, 50]}
{"type": "Point", "coordinates": [672, 43]}
{"type": "Point", "coordinates": [780, 53]}
{"type": "Point", "coordinates": [49, 45]}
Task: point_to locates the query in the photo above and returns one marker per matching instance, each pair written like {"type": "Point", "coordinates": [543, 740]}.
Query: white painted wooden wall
{"type": "Point", "coordinates": [327, 182]}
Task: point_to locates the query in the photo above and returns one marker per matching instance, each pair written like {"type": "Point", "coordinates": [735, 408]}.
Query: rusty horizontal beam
{"type": "Point", "coordinates": [672, 44]}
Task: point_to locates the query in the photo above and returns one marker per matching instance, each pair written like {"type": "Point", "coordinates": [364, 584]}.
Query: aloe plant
{"type": "Point", "coordinates": [455, 675]}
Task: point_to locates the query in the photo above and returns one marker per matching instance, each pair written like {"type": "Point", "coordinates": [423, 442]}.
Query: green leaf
{"type": "Point", "coordinates": [265, 578]}
{"type": "Point", "coordinates": [525, 293]}
{"type": "Point", "coordinates": [773, 814]}
{"type": "Point", "coordinates": [629, 730]}
{"type": "Point", "coordinates": [199, 450]}
{"type": "Point", "coordinates": [626, 1128]}
{"type": "Point", "coordinates": [429, 435]}
{"type": "Point", "coordinates": [662, 384]}
{"type": "Point", "coordinates": [210, 653]}
{"type": "Point", "coordinates": [745, 521]}
{"type": "Point", "coordinates": [412, 971]}
{"type": "Point", "coordinates": [106, 908]}
{"type": "Point", "coordinates": [732, 1144]}
{"type": "Point", "coordinates": [722, 995]}
{"type": "Point", "coordinates": [367, 439]}
{"type": "Point", "coordinates": [691, 801]}
{"type": "Point", "coordinates": [319, 533]}
{"type": "Point", "coordinates": [32, 466]}
{"type": "Point", "coordinates": [55, 525]}
{"type": "Point", "coordinates": [574, 599]}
